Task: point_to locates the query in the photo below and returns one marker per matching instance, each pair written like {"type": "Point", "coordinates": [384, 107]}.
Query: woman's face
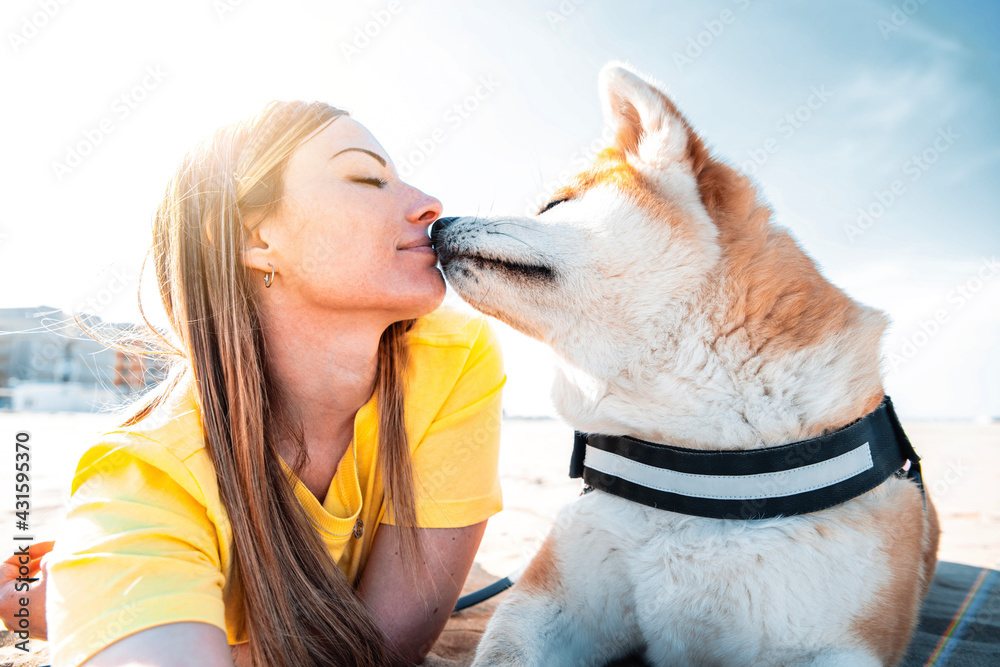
{"type": "Point", "coordinates": [338, 238]}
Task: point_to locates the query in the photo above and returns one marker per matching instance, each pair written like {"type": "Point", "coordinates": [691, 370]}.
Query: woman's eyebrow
{"type": "Point", "coordinates": [362, 150]}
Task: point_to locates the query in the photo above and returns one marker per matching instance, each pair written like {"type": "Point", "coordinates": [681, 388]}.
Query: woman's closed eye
{"type": "Point", "coordinates": [370, 180]}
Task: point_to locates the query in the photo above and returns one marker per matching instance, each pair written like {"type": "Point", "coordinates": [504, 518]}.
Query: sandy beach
{"type": "Point", "coordinates": [961, 465]}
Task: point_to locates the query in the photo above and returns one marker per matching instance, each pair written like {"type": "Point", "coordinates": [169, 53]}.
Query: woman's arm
{"type": "Point", "coordinates": [412, 612]}
{"type": "Point", "coordinates": [172, 645]}
{"type": "Point", "coordinates": [204, 645]}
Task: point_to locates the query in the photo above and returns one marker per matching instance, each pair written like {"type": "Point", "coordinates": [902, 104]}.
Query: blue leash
{"type": "Point", "coordinates": [487, 592]}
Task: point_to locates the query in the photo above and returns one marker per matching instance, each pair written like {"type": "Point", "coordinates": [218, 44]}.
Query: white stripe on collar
{"type": "Point", "coordinates": [734, 487]}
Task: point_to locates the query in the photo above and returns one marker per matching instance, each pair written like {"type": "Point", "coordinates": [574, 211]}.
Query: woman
{"type": "Point", "coordinates": [313, 481]}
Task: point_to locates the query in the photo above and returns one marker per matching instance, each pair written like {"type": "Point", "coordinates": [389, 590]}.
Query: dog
{"type": "Point", "coordinates": [681, 315]}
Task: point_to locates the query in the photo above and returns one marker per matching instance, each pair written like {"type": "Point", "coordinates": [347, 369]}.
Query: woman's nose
{"type": "Point", "coordinates": [427, 209]}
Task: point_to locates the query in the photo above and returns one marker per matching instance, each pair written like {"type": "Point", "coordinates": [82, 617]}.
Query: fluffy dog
{"type": "Point", "coordinates": [681, 315]}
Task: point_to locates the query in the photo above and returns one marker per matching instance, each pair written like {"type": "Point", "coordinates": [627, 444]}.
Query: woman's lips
{"type": "Point", "coordinates": [424, 249]}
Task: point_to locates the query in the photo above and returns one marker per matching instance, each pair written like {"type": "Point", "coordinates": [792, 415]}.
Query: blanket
{"type": "Point", "coordinates": [959, 625]}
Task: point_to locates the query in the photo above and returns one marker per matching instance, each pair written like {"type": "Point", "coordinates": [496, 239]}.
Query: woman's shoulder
{"type": "Point", "coordinates": [175, 423]}
{"type": "Point", "coordinates": [167, 438]}
{"type": "Point", "coordinates": [452, 326]}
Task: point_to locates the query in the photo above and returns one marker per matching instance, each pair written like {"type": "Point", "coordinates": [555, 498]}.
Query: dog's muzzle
{"type": "Point", "coordinates": [439, 226]}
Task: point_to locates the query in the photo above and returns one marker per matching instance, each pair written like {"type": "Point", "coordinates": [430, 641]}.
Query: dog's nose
{"type": "Point", "coordinates": [438, 226]}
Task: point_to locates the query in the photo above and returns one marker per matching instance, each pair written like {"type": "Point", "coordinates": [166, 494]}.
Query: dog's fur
{"type": "Point", "coordinates": [681, 315]}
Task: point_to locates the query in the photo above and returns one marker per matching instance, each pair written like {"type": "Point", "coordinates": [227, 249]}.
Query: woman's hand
{"type": "Point", "coordinates": [14, 573]}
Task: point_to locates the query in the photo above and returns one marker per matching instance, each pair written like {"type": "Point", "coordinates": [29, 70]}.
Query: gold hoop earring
{"type": "Point", "coordinates": [269, 278]}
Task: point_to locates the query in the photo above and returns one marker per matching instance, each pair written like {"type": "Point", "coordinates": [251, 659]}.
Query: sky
{"type": "Point", "coordinates": [870, 127]}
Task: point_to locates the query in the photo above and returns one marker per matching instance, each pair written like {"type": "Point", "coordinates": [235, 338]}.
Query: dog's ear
{"type": "Point", "coordinates": [644, 121]}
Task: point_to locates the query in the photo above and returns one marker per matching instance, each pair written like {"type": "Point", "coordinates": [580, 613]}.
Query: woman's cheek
{"type": "Point", "coordinates": [319, 253]}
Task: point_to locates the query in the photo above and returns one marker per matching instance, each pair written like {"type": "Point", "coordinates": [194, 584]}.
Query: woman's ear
{"type": "Point", "coordinates": [259, 254]}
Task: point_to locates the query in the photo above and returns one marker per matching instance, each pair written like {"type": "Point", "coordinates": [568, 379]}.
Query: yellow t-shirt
{"type": "Point", "coordinates": [145, 540]}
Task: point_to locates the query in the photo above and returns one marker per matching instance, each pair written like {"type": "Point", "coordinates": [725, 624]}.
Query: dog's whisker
{"type": "Point", "coordinates": [513, 237]}
{"type": "Point", "coordinates": [510, 222]}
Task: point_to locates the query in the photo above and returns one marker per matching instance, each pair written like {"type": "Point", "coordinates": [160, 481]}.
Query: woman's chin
{"type": "Point", "coordinates": [438, 297]}
{"type": "Point", "coordinates": [427, 301]}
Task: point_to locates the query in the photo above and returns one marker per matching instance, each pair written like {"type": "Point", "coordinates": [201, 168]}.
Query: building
{"type": "Point", "coordinates": [48, 362]}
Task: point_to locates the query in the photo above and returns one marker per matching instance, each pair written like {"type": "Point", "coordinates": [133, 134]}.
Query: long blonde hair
{"type": "Point", "coordinates": [297, 606]}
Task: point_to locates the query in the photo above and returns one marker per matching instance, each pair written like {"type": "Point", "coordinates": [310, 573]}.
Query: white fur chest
{"type": "Point", "coordinates": [719, 591]}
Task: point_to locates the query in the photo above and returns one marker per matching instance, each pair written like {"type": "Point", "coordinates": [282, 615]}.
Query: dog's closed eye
{"type": "Point", "coordinates": [551, 204]}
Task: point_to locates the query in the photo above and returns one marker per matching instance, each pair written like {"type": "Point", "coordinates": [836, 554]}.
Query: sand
{"type": "Point", "coordinates": [961, 465]}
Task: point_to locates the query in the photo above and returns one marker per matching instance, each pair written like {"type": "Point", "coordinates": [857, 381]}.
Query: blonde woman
{"type": "Point", "coordinates": [312, 483]}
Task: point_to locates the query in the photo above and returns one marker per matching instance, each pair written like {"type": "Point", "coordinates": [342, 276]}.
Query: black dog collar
{"type": "Point", "coordinates": [798, 478]}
